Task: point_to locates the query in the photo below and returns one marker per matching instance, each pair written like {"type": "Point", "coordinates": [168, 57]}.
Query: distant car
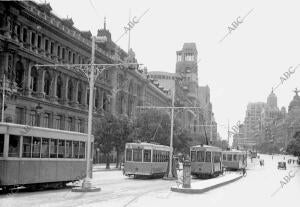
{"type": "Point", "coordinates": [281, 165]}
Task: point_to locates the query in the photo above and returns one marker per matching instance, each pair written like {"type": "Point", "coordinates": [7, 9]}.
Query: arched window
{"type": "Point", "coordinates": [130, 99]}
{"type": "Point", "coordinates": [96, 98]}
{"type": "Point", "coordinates": [70, 89]}
{"type": "Point", "coordinates": [120, 102]}
{"type": "Point", "coordinates": [79, 95]}
{"type": "Point", "coordinates": [105, 102]}
{"type": "Point", "coordinates": [47, 83]}
{"type": "Point", "coordinates": [59, 86]}
{"type": "Point", "coordinates": [19, 74]}
{"type": "Point", "coordinates": [34, 79]}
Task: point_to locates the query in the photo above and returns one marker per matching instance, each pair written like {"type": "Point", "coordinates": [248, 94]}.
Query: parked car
{"type": "Point", "coordinates": [281, 165]}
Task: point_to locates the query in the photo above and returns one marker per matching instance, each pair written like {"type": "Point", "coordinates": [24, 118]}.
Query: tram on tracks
{"type": "Point", "coordinates": [41, 157]}
{"type": "Point", "coordinates": [146, 159]}
{"type": "Point", "coordinates": [235, 159]}
{"type": "Point", "coordinates": [206, 161]}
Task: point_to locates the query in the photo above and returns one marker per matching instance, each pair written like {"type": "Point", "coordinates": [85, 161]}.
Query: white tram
{"type": "Point", "coordinates": [235, 159]}
{"type": "Point", "coordinates": [206, 161]}
{"type": "Point", "coordinates": [146, 159]}
{"type": "Point", "coordinates": [40, 157]}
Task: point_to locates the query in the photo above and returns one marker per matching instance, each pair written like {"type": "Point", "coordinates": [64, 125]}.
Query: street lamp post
{"type": "Point", "coordinates": [171, 137]}
{"type": "Point", "coordinates": [3, 97]}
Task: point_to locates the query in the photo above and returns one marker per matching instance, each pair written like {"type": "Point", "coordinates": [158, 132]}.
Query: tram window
{"type": "Point", "coordinates": [217, 157]}
{"type": "Point", "coordinates": [208, 157]}
{"type": "Point", "coordinates": [200, 156]}
{"type": "Point", "coordinates": [14, 146]}
{"type": "Point", "coordinates": [82, 150]}
{"type": "Point", "coordinates": [61, 148]}
{"type": "Point", "coordinates": [53, 148]}
{"type": "Point", "coordinates": [1, 144]}
{"type": "Point", "coordinates": [68, 149]}
{"type": "Point", "coordinates": [234, 157]}
{"type": "Point", "coordinates": [193, 156]}
{"type": "Point", "coordinates": [27, 146]}
{"type": "Point", "coordinates": [147, 155]}
{"type": "Point", "coordinates": [36, 147]}
{"type": "Point", "coordinates": [168, 155]}
{"type": "Point", "coordinates": [154, 156]}
{"type": "Point", "coordinates": [128, 154]}
{"type": "Point", "coordinates": [229, 157]}
{"type": "Point", "coordinates": [224, 156]}
{"type": "Point", "coordinates": [45, 148]}
{"type": "Point", "coordinates": [137, 155]}
{"type": "Point", "coordinates": [76, 149]}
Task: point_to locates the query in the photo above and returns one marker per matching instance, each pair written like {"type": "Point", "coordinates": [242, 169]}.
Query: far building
{"type": "Point", "coordinates": [189, 94]}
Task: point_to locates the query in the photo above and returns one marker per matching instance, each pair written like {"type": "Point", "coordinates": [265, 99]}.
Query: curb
{"type": "Point", "coordinates": [106, 170]}
{"type": "Point", "coordinates": [203, 190]}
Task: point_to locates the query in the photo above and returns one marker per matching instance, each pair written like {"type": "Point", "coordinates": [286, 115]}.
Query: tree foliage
{"type": "Point", "coordinates": [294, 145]}
{"type": "Point", "coordinates": [155, 126]}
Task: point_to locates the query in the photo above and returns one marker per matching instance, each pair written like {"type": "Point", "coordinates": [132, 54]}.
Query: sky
{"type": "Point", "coordinates": [240, 69]}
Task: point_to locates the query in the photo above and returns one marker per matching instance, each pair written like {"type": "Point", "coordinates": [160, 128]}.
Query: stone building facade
{"type": "Point", "coordinates": [57, 97]}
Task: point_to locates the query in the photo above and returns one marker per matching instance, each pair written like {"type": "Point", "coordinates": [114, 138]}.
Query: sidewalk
{"type": "Point", "coordinates": [202, 186]}
{"type": "Point", "coordinates": [102, 167]}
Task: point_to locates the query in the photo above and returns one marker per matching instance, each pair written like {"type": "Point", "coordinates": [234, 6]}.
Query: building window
{"type": "Point", "coordinates": [58, 122]}
{"type": "Point", "coordinates": [20, 115]}
{"type": "Point", "coordinates": [19, 74]}
{"type": "Point", "coordinates": [59, 86]}
{"type": "Point", "coordinates": [25, 35]}
{"type": "Point", "coordinates": [79, 94]}
{"type": "Point", "coordinates": [96, 99]}
{"type": "Point", "coordinates": [70, 90]}
{"type": "Point", "coordinates": [88, 96]}
{"type": "Point", "coordinates": [39, 41]}
{"type": "Point", "coordinates": [80, 125]}
{"type": "Point", "coordinates": [47, 83]}
{"type": "Point", "coordinates": [32, 118]}
{"type": "Point", "coordinates": [46, 119]}
{"type": "Point", "coordinates": [69, 124]}
{"type": "Point", "coordinates": [32, 38]}
{"type": "Point", "coordinates": [73, 59]}
{"type": "Point", "coordinates": [63, 53]}
{"type": "Point", "coordinates": [69, 58]}
{"type": "Point", "coordinates": [34, 79]}
{"type": "Point", "coordinates": [51, 47]}
{"type": "Point", "coordinates": [58, 51]}
{"type": "Point", "coordinates": [46, 45]}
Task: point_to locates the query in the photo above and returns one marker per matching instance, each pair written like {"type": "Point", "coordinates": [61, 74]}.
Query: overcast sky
{"type": "Point", "coordinates": [242, 68]}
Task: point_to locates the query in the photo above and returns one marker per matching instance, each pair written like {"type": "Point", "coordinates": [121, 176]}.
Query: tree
{"type": "Point", "coordinates": [155, 126]}
{"type": "Point", "coordinates": [123, 131]}
{"type": "Point", "coordinates": [105, 132]}
{"type": "Point", "coordinates": [294, 145]}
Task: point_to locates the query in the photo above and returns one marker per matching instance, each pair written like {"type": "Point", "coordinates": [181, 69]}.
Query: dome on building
{"type": "Point", "coordinates": [283, 110]}
{"type": "Point", "coordinates": [272, 100]}
{"type": "Point", "coordinates": [295, 103]}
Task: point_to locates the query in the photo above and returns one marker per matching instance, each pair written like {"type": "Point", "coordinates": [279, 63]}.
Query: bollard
{"type": "Point", "coordinates": [186, 183]}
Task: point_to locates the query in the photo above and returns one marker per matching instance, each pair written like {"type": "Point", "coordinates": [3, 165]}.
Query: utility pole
{"type": "Point", "coordinates": [91, 71]}
{"type": "Point", "coordinates": [3, 97]}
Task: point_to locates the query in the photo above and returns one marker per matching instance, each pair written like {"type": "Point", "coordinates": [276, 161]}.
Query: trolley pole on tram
{"type": "Point", "coordinates": [91, 72]}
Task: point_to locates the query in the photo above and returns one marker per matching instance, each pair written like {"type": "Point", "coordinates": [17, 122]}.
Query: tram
{"type": "Point", "coordinates": [234, 159]}
{"type": "Point", "coordinates": [146, 159]}
{"type": "Point", "coordinates": [40, 157]}
{"type": "Point", "coordinates": [206, 161]}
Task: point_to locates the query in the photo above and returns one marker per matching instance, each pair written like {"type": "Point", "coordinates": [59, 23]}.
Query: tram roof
{"type": "Point", "coordinates": [212, 148]}
{"type": "Point", "coordinates": [146, 144]}
{"type": "Point", "coordinates": [25, 130]}
{"type": "Point", "coordinates": [235, 151]}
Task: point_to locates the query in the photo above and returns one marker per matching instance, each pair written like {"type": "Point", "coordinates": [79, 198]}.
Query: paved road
{"type": "Point", "coordinates": [257, 189]}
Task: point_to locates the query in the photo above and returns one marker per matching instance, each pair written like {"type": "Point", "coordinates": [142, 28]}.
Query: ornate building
{"type": "Point", "coordinates": [57, 97]}
{"type": "Point", "coordinates": [188, 93]}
